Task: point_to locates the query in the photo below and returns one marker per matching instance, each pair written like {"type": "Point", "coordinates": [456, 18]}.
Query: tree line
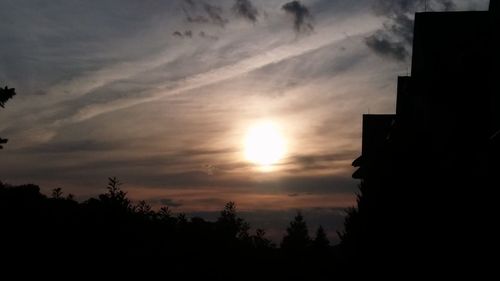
{"type": "Point", "coordinates": [110, 227]}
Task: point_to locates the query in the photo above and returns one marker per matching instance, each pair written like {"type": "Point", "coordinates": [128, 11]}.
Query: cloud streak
{"type": "Point", "coordinates": [170, 202]}
{"type": "Point", "coordinates": [199, 80]}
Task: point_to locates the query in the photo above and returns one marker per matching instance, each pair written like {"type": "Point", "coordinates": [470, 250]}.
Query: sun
{"type": "Point", "coordinates": [264, 144]}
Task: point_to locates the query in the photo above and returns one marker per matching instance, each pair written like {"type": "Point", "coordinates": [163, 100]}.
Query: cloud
{"type": "Point", "coordinates": [384, 45]}
{"type": "Point", "coordinates": [170, 202]}
{"type": "Point", "coordinates": [72, 146]}
{"type": "Point", "coordinates": [302, 18]}
{"type": "Point", "coordinates": [396, 7]}
{"type": "Point", "coordinates": [449, 5]}
{"type": "Point", "coordinates": [223, 70]}
{"type": "Point", "coordinates": [313, 161]}
{"type": "Point", "coordinates": [204, 35]}
{"type": "Point", "coordinates": [321, 184]}
{"type": "Point", "coordinates": [246, 10]}
{"type": "Point", "coordinates": [394, 39]}
{"type": "Point", "coordinates": [190, 2]}
{"type": "Point", "coordinates": [197, 19]}
{"type": "Point", "coordinates": [215, 14]}
{"type": "Point", "coordinates": [202, 12]}
{"type": "Point", "coordinates": [187, 33]}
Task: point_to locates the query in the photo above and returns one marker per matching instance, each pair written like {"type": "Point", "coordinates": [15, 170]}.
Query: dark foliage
{"type": "Point", "coordinates": [5, 95]}
{"type": "Point", "coordinates": [321, 241]}
{"type": "Point", "coordinates": [297, 238]}
{"type": "Point", "coordinates": [111, 230]}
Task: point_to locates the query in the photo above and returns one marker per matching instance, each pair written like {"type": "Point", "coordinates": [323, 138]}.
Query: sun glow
{"type": "Point", "coordinates": [264, 145]}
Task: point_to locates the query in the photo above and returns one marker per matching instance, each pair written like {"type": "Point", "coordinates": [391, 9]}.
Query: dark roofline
{"type": "Point", "coordinates": [494, 5]}
{"type": "Point", "coordinates": [379, 115]}
{"type": "Point", "coordinates": [451, 13]}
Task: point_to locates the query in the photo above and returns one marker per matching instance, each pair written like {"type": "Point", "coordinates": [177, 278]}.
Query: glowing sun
{"type": "Point", "coordinates": [264, 145]}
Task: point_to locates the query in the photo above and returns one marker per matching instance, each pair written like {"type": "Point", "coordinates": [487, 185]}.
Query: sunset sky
{"type": "Point", "coordinates": [163, 94]}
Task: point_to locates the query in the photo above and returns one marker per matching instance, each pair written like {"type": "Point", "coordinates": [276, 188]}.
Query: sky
{"type": "Point", "coordinates": [161, 94]}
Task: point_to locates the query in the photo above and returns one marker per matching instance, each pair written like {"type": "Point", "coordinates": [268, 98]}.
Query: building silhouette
{"type": "Point", "coordinates": [429, 170]}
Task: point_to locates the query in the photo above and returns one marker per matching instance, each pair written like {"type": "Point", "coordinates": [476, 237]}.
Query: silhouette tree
{"type": "Point", "coordinates": [321, 241]}
{"type": "Point", "coordinates": [70, 197]}
{"type": "Point", "coordinates": [144, 209]}
{"type": "Point", "coordinates": [297, 237]}
{"type": "Point", "coordinates": [5, 94]}
{"type": "Point", "coordinates": [57, 193]}
{"type": "Point", "coordinates": [109, 228]}
{"type": "Point", "coordinates": [182, 221]}
{"type": "Point", "coordinates": [164, 213]}
{"type": "Point", "coordinates": [359, 222]}
{"type": "Point", "coordinates": [115, 197]}
{"type": "Point", "coordinates": [260, 241]}
{"type": "Point", "coordinates": [231, 226]}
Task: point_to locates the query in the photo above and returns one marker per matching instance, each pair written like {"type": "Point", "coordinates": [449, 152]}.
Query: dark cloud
{"type": "Point", "coordinates": [170, 202]}
{"type": "Point", "coordinates": [395, 38]}
{"type": "Point", "coordinates": [133, 169]}
{"type": "Point", "coordinates": [142, 172]}
{"type": "Point", "coordinates": [384, 45]}
{"type": "Point", "coordinates": [326, 184]}
{"type": "Point", "coordinates": [199, 11]}
{"type": "Point", "coordinates": [187, 33]}
{"type": "Point", "coordinates": [203, 34]}
{"type": "Point", "coordinates": [289, 184]}
{"type": "Point", "coordinates": [449, 5]}
{"type": "Point", "coordinates": [246, 10]}
{"type": "Point", "coordinates": [396, 7]}
{"type": "Point", "coordinates": [215, 14]}
{"type": "Point", "coordinates": [403, 27]}
{"type": "Point", "coordinates": [302, 18]}
{"type": "Point", "coordinates": [74, 146]}
{"type": "Point", "coordinates": [199, 152]}
{"type": "Point", "coordinates": [311, 161]}
{"type": "Point", "coordinates": [197, 19]}
{"type": "Point", "coordinates": [210, 169]}
{"type": "Point", "coordinates": [189, 2]}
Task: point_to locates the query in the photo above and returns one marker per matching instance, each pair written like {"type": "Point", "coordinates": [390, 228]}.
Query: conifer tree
{"type": "Point", "coordinates": [297, 237]}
